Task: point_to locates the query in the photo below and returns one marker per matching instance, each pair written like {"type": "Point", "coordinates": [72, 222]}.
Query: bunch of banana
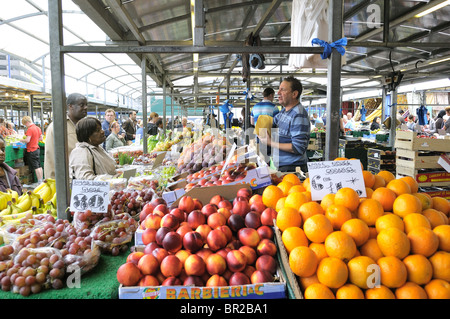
{"type": "Point", "coordinates": [28, 200]}
{"type": "Point", "coordinates": [4, 199]}
{"type": "Point", "coordinates": [16, 218]}
{"type": "Point", "coordinates": [13, 194]}
{"type": "Point", "coordinates": [46, 189]}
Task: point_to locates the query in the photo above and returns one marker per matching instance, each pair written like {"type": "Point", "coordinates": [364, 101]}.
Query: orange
{"type": "Point", "coordinates": [309, 209]}
{"type": "Point", "coordinates": [307, 195]}
{"type": "Point", "coordinates": [318, 291]}
{"type": "Point", "coordinates": [371, 249]}
{"type": "Point", "coordinates": [406, 204]}
{"type": "Point", "coordinates": [340, 159]}
{"type": "Point", "coordinates": [280, 204]}
{"type": "Point", "coordinates": [410, 290]}
{"type": "Point", "coordinates": [443, 233]}
{"type": "Point", "coordinates": [338, 215]}
{"type": "Point", "coordinates": [293, 237]}
{"type": "Point", "coordinates": [412, 183]}
{"type": "Point", "coordinates": [423, 241]}
{"type": "Point", "coordinates": [360, 271]}
{"type": "Point", "coordinates": [306, 184]}
{"type": "Point", "coordinates": [347, 197]}
{"type": "Point", "coordinates": [305, 282]}
{"type": "Point", "coordinates": [399, 187]}
{"type": "Point", "coordinates": [296, 188]}
{"type": "Point", "coordinates": [435, 217]}
{"type": "Point", "coordinates": [441, 204]}
{"type": "Point", "coordinates": [340, 245]}
{"type": "Point", "coordinates": [386, 175]}
{"type": "Point", "coordinates": [438, 289]}
{"type": "Point", "coordinates": [373, 231]}
{"type": "Point", "coordinates": [357, 229]}
{"type": "Point", "coordinates": [420, 270]}
{"type": "Point", "coordinates": [386, 197]}
{"type": "Point", "coordinates": [327, 201]}
{"type": "Point", "coordinates": [291, 178]}
{"type": "Point", "coordinates": [369, 192]}
{"type": "Point", "coordinates": [388, 221]}
{"type": "Point", "coordinates": [425, 199]}
{"type": "Point", "coordinates": [285, 186]}
{"type": "Point", "coordinates": [379, 182]}
{"type": "Point", "coordinates": [369, 211]}
{"type": "Point", "coordinates": [349, 291]}
{"type": "Point", "coordinates": [414, 220]}
{"type": "Point", "coordinates": [317, 228]}
{"type": "Point", "coordinates": [393, 272]}
{"type": "Point", "coordinates": [393, 242]}
{"type": "Point", "coordinates": [441, 265]}
{"type": "Point", "coordinates": [380, 292]}
{"type": "Point", "coordinates": [271, 195]}
{"type": "Point", "coordinates": [369, 179]}
{"type": "Point", "coordinates": [303, 261]}
{"type": "Point", "coordinates": [332, 272]}
{"type": "Point", "coordinates": [288, 217]}
{"type": "Point", "coordinates": [319, 249]}
{"type": "Point", "coordinates": [295, 200]}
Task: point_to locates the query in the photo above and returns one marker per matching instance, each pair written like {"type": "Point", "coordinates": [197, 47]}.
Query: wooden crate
{"type": "Point", "coordinates": [437, 178]}
{"type": "Point", "coordinates": [408, 140]}
{"type": "Point", "coordinates": [417, 159]}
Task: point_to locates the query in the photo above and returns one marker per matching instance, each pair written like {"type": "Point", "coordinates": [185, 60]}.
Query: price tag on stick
{"type": "Point", "coordinates": [88, 194]}
{"type": "Point", "coordinates": [328, 177]}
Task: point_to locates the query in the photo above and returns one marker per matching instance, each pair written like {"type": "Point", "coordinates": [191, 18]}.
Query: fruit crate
{"type": "Point", "coordinates": [312, 145]}
{"type": "Point", "coordinates": [408, 140]}
{"type": "Point", "coordinates": [425, 177]}
{"type": "Point", "coordinates": [418, 159]}
{"type": "Point", "coordinates": [443, 192]}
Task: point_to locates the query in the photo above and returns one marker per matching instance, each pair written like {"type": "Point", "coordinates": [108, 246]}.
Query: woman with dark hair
{"type": "Point", "coordinates": [375, 123]}
{"type": "Point", "coordinates": [439, 120]}
{"type": "Point", "coordinates": [114, 140]}
{"type": "Point", "coordinates": [8, 175]}
{"type": "Point", "coordinates": [89, 159]}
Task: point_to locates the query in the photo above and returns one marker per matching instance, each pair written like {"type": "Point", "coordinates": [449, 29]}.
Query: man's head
{"type": "Point", "coordinates": [110, 115]}
{"type": "Point", "coordinates": [26, 120]}
{"type": "Point", "coordinates": [132, 115]}
{"type": "Point", "coordinates": [153, 116]}
{"type": "Point", "coordinates": [289, 92]}
{"type": "Point", "coordinates": [315, 115]}
{"type": "Point", "coordinates": [349, 115]}
{"type": "Point", "coordinates": [184, 121]}
{"type": "Point", "coordinates": [269, 94]}
{"type": "Point", "coordinates": [77, 105]}
{"type": "Point", "coordinates": [447, 110]}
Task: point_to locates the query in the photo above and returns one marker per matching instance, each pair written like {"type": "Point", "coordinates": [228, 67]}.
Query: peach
{"type": "Point", "coordinates": [227, 274]}
{"type": "Point", "coordinates": [148, 249]}
{"type": "Point", "coordinates": [236, 222]}
{"type": "Point", "coordinates": [186, 204]}
{"type": "Point", "coordinates": [193, 281]}
{"type": "Point", "coordinates": [148, 265]}
{"type": "Point", "coordinates": [216, 220]}
{"type": "Point", "coordinates": [225, 204]}
{"type": "Point", "coordinates": [171, 266]}
{"type": "Point", "coordinates": [209, 209]}
{"type": "Point", "coordinates": [236, 260]}
{"type": "Point", "coordinates": [261, 276]}
{"type": "Point", "coordinates": [223, 252]}
{"type": "Point", "coordinates": [148, 235]}
{"type": "Point", "coordinates": [197, 204]}
{"type": "Point", "coordinates": [146, 210]}
{"type": "Point", "coordinates": [241, 208]}
{"type": "Point", "coordinates": [170, 221]}
{"type": "Point", "coordinates": [160, 277]}
{"type": "Point", "coordinates": [267, 216]}
{"type": "Point", "coordinates": [252, 220]}
{"type": "Point", "coordinates": [162, 208]}
{"type": "Point", "coordinates": [148, 281]}
{"type": "Point", "coordinates": [216, 239]}
{"type": "Point", "coordinates": [216, 199]}
{"type": "Point", "coordinates": [178, 213]}
{"type": "Point", "coordinates": [266, 247]}
{"type": "Point", "coordinates": [234, 244]}
{"type": "Point", "coordinates": [225, 212]}
{"type": "Point", "coordinates": [171, 281]}
{"type": "Point", "coordinates": [160, 254]}
{"type": "Point", "coordinates": [152, 221]}
{"type": "Point", "coordinates": [160, 234]}
{"type": "Point", "coordinates": [265, 232]}
{"type": "Point", "coordinates": [134, 257]}
{"type": "Point", "coordinates": [158, 201]}
{"type": "Point", "coordinates": [238, 279]}
{"type": "Point", "coordinates": [195, 219]}
{"type": "Point", "coordinates": [249, 253]}
{"type": "Point", "coordinates": [183, 229]}
{"type": "Point", "coordinates": [128, 274]}
{"type": "Point", "coordinates": [227, 231]}
{"type": "Point", "coordinates": [249, 237]}
{"type": "Point", "coordinates": [257, 198]}
{"type": "Point", "coordinates": [172, 242]}
{"type": "Point", "coordinates": [194, 265]}
{"type": "Point", "coordinates": [204, 253]}
{"type": "Point", "coordinates": [183, 255]}
{"type": "Point", "coordinates": [266, 262]}
{"type": "Point", "coordinates": [203, 230]}
{"type": "Point", "coordinates": [192, 241]}
{"type": "Point", "coordinates": [249, 270]}
{"type": "Point", "coordinates": [216, 281]}
{"type": "Point", "coordinates": [244, 192]}
{"type": "Point", "coordinates": [240, 199]}
{"type": "Point", "coordinates": [257, 207]}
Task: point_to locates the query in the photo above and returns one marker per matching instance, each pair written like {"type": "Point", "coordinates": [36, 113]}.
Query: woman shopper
{"type": "Point", "coordinates": [89, 159]}
{"type": "Point", "coordinates": [8, 175]}
{"type": "Point", "coordinates": [375, 123]}
{"type": "Point", "coordinates": [114, 140]}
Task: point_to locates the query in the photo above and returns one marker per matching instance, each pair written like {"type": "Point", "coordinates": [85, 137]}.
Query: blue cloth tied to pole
{"type": "Point", "coordinates": [328, 47]}
{"type": "Point", "coordinates": [363, 113]}
{"type": "Point", "coordinates": [422, 115]}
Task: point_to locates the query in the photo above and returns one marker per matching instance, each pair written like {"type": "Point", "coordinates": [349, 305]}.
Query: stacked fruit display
{"type": "Point", "coordinates": [393, 244]}
{"type": "Point", "coordinates": [131, 201]}
{"type": "Point", "coordinates": [220, 243]}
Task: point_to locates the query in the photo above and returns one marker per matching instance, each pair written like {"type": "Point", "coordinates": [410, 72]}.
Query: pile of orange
{"type": "Point", "coordinates": [392, 244]}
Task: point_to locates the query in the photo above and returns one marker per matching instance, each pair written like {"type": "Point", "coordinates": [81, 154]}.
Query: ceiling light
{"type": "Point", "coordinates": [432, 9]}
{"type": "Point", "coordinates": [439, 61]}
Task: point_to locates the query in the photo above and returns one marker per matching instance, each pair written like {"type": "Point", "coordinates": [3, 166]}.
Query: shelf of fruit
{"type": "Point", "coordinates": [220, 243]}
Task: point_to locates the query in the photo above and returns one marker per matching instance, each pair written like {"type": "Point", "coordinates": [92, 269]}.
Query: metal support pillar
{"type": "Point", "coordinates": [247, 112]}
{"type": "Point", "coordinates": [30, 107]}
{"type": "Point", "coordinates": [144, 104]}
{"type": "Point", "coordinates": [164, 102]}
{"type": "Point", "coordinates": [172, 115]}
{"type": "Point", "coordinates": [393, 115]}
{"type": "Point", "coordinates": [335, 13]}
{"type": "Point", "coordinates": [59, 108]}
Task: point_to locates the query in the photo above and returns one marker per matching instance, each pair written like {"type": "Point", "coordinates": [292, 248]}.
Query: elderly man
{"type": "Point", "coordinates": [351, 122]}
{"type": "Point", "coordinates": [77, 105]}
{"type": "Point", "coordinates": [129, 126]}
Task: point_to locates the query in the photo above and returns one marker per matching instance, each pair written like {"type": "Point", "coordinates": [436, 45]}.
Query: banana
{"type": "Point", "coordinates": [3, 200]}
{"type": "Point", "coordinates": [40, 186]}
{"type": "Point", "coordinates": [45, 192]}
{"type": "Point", "coordinates": [15, 216]}
{"type": "Point", "coordinates": [34, 199]}
{"type": "Point", "coordinates": [24, 202]}
{"type": "Point", "coordinates": [13, 194]}
{"type": "Point", "coordinates": [52, 184]}
{"type": "Point", "coordinates": [53, 200]}
{"type": "Point", "coordinates": [7, 210]}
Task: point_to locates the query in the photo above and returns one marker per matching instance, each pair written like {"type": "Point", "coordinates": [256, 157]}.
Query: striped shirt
{"type": "Point", "coordinates": [293, 127]}
{"type": "Point", "coordinates": [265, 107]}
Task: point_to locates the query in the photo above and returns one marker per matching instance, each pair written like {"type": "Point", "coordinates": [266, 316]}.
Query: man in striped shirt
{"type": "Point", "coordinates": [290, 141]}
{"type": "Point", "coordinates": [265, 107]}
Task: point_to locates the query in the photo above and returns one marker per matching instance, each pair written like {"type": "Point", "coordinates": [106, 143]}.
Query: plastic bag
{"type": "Point", "coordinates": [85, 259]}
{"type": "Point", "coordinates": [88, 219]}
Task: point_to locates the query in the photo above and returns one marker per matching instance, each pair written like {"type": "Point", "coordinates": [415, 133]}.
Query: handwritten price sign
{"type": "Point", "coordinates": [329, 176]}
{"type": "Point", "coordinates": [92, 195]}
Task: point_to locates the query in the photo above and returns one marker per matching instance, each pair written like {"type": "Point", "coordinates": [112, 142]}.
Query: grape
{"type": "Point", "coordinates": [25, 291]}
{"type": "Point", "coordinates": [19, 281]}
{"type": "Point", "coordinates": [57, 284]}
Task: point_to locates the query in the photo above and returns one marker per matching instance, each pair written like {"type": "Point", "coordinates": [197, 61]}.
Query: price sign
{"type": "Point", "coordinates": [330, 176]}
{"type": "Point", "coordinates": [88, 194]}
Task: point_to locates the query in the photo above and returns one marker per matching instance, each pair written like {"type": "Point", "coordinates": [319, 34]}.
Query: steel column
{"type": "Point", "coordinates": [144, 104]}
